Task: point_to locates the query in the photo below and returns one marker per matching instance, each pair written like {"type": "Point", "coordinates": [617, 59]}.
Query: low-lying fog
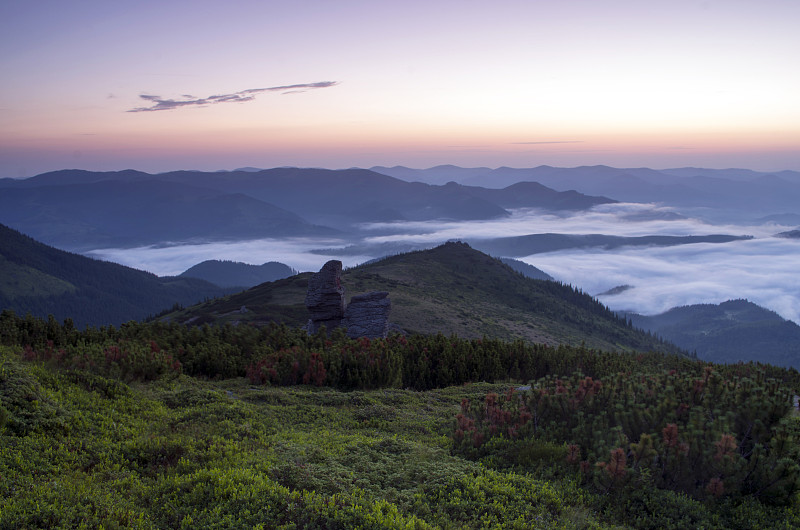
{"type": "Point", "coordinates": [171, 260]}
{"type": "Point", "coordinates": [763, 269]}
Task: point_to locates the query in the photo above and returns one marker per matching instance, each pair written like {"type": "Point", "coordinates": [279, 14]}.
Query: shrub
{"type": "Point", "coordinates": [710, 437]}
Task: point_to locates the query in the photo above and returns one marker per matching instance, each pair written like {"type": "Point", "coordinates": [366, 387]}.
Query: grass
{"type": "Point", "coordinates": [94, 452]}
{"type": "Point", "coordinates": [80, 450]}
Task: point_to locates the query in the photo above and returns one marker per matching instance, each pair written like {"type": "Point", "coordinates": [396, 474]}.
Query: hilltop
{"type": "Point", "coordinates": [451, 289]}
{"type": "Point", "coordinates": [226, 273]}
{"type": "Point", "coordinates": [736, 330]}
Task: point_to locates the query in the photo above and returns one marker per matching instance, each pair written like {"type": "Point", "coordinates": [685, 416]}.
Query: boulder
{"type": "Point", "coordinates": [367, 315]}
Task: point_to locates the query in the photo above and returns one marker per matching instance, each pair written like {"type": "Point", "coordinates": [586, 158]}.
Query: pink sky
{"type": "Point", "coordinates": [515, 83]}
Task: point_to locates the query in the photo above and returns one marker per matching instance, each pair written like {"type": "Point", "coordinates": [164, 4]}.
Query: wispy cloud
{"type": "Point", "coordinates": [550, 142]}
{"type": "Point", "coordinates": [160, 103]}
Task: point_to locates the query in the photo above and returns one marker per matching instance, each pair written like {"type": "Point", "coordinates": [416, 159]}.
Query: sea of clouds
{"type": "Point", "coordinates": [762, 270]}
{"type": "Point", "coordinates": [171, 260]}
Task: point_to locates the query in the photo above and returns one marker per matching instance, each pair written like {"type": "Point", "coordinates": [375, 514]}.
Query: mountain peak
{"type": "Point", "coordinates": [449, 289]}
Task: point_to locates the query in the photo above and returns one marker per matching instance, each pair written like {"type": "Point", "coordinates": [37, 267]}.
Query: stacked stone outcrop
{"type": "Point", "coordinates": [367, 315]}
{"type": "Point", "coordinates": [325, 297]}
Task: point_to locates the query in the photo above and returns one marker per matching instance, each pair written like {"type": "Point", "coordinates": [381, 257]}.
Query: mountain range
{"type": "Point", "coordinates": [732, 190]}
{"type": "Point", "coordinates": [451, 289]}
{"type": "Point", "coordinates": [519, 246]}
{"type": "Point", "coordinates": [527, 245]}
{"type": "Point", "coordinates": [80, 210]}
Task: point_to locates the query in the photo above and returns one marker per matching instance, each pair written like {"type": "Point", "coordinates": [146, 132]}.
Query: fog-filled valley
{"type": "Point", "coordinates": [661, 252]}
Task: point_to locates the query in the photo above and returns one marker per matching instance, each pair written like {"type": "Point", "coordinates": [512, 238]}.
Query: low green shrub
{"type": "Point", "coordinates": [709, 437]}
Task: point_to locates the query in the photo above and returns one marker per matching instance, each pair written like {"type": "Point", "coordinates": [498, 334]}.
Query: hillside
{"type": "Point", "coordinates": [152, 426]}
{"type": "Point", "coordinates": [532, 195]}
{"type": "Point", "coordinates": [42, 280]}
{"type": "Point", "coordinates": [736, 330]}
{"type": "Point", "coordinates": [527, 270]}
{"type": "Point", "coordinates": [225, 273]}
{"type": "Point", "coordinates": [452, 289]}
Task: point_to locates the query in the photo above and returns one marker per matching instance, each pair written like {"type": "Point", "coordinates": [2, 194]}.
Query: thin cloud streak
{"type": "Point", "coordinates": [159, 103]}
{"type": "Point", "coordinates": [551, 142]}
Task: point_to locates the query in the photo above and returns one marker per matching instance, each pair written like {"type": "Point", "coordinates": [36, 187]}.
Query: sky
{"type": "Point", "coordinates": [159, 86]}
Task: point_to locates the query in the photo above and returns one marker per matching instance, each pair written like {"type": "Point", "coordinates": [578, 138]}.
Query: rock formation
{"type": "Point", "coordinates": [366, 316]}
{"type": "Point", "coordinates": [325, 297]}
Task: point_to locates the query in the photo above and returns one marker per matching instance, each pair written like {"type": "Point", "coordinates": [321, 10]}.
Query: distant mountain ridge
{"type": "Point", "coordinates": [520, 246]}
{"type": "Point", "coordinates": [736, 330]}
{"type": "Point", "coordinates": [732, 189]}
{"type": "Point", "coordinates": [526, 245]}
{"type": "Point", "coordinates": [526, 270]}
{"type": "Point", "coordinates": [531, 195]}
{"type": "Point", "coordinates": [225, 273]}
{"type": "Point", "coordinates": [42, 280]}
{"type": "Point", "coordinates": [78, 209]}
{"type": "Point", "coordinates": [136, 211]}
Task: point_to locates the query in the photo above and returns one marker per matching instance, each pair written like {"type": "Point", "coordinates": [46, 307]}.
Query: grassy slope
{"type": "Point", "coordinates": [279, 301]}
{"type": "Point", "coordinates": [186, 452]}
{"type": "Point", "coordinates": [451, 289]}
{"type": "Point", "coordinates": [79, 449]}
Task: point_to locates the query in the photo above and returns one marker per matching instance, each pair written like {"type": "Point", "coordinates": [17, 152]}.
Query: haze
{"type": "Point", "coordinates": [158, 86]}
{"type": "Point", "coordinates": [763, 270]}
